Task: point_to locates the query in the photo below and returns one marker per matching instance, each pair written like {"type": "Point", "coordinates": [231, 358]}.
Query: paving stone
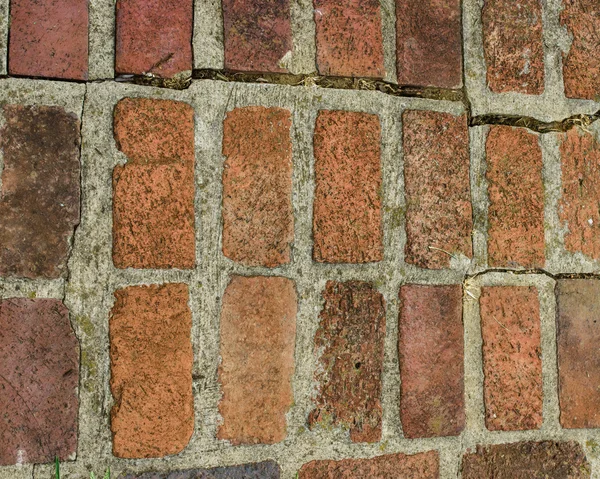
{"type": "Point", "coordinates": [578, 334]}
{"type": "Point", "coordinates": [429, 43]}
{"type": "Point", "coordinates": [153, 193]}
{"type": "Point", "coordinates": [257, 470]}
{"type": "Point", "coordinates": [350, 343]}
{"type": "Point", "coordinates": [513, 46]}
{"type": "Point", "coordinates": [527, 460]}
{"type": "Point", "coordinates": [258, 329]}
{"type": "Point", "coordinates": [431, 354]}
{"type": "Point", "coordinates": [154, 37]}
{"type": "Point", "coordinates": [347, 205]}
{"type": "Point", "coordinates": [151, 371]}
{"type": "Point", "coordinates": [512, 362]}
{"type": "Point", "coordinates": [258, 220]}
{"type": "Point", "coordinates": [437, 188]}
{"type": "Point", "coordinates": [49, 38]}
{"type": "Point", "coordinates": [516, 194]}
{"type": "Point", "coordinates": [257, 34]}
{"type": "Point", "coordinates": [39, 205]}
{"type": "Point", "coordinates": [39, 374]}
{"type": "Point", "coordinates": [349, 39]}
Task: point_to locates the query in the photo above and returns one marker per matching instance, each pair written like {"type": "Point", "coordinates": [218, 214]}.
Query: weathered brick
{"type": "Point", "coordinates": [39, 202]}
{"type": "Point", "coordinates": [513, 47]}
{"type": "Point", "coordinates": [582, 63]}
{"type": "Point", "coordinates": [578, 331]}
{"type": "Point", "coordinates": [417, 466]}
{"type": "Point", "coordinates": [153, 193]}
{"type": "Point", "coordinates": [428, 43]}
{"type": "Point", "coordinates": [431, 353]}
{"type": "Point", "coordinates": [350, 340]}
{"type": "Point", "coordinates": [516, 193]}
{"type": "Point", "coordinates": [578, 208]}
{"type": "Point", "coordinates": [49, 38]}
{"type": "Point", "coordinates": [347, 205]}
{"type": "Point", "coordinates": [512, 364]}
{"type": "Point", "coordinates": [437, 188]}
{"type": "Point", "coordinates": [154, 36]}
{"type": "Point", "coordinates": [258, 470]}
{"type": "Point", "coordinates": [527, 460]}
{"type": "Point", "coordinates": [258, 221]}
{"type": "Point", "coordinates": [151, 371]}
{"type": "Point", "coordinates": [39, 374]}
{"type": "Point", "coordinates": [349, 38]}
{"type": "Point", "coordinates": [257, 34]}
{"type": "Point", "coordinates": [258, 328]}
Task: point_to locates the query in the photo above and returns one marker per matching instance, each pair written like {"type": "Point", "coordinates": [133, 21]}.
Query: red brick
{"type": "Point", "coordinates": [257, 470]}
{"type": "Point", "coordinates": [153, 194]}
{"type": "Point", "coordinates": [437, 187]}
{"type": "Point", "coordinates": [39, 374]}
{"type": "Point", "coordinates": [347, 205]}
{"type": "Point", "coordinates": [513, 48]}
{"type": "Point", "coordinates": [582, 63]}
{"type": "Point", "coordinates": [516, 194]}
{"type": "Point", "coordinates": [527, 460]}
{"type": "Point", "coordinates": [578, 208]}
{"type": "Point", "coordinates": [349, 38]}
{"type": "Point", "coordinates": [39, 201]}
{"type": "Point", "coordinates": [257, 34]}
{"type": "Point", "coordinates": [350, 342]}
{"type": "Point", "coordinates": [154, 36]}
{"type": "Point", "coordinates": [431, 354]}
{"type": "Point", "coordinates": [429, 43]}
{"type": "Point", "coordinates": [258, 221]}
{"type": "Point", "coordinates": [151, 371]}
{"type": "Point", "coordinates": [578, 303]}
{"type": "Point", "coordinates": [512, 364]}
{"type": "Point", "coordinates": [417, 466]}
{"type": "Point", "coordinates": [258, 328]}
{"type": "Point", "coordinates": [49, 38]}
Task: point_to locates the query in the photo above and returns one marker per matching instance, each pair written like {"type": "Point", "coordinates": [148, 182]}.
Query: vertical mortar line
{"type": "Point", "coordinates": [474, 68]}
{"type": "Point", "coordinates": [479, 195]}
{"type": "Point", "coordinates": [388, 31]}
{"type": "Point", "coordinates": [304, 49]}
{"type": "Point", "coordinates": [207, 39]}
{"type": "Point", "coordinates": [101, 39]}
{"type": "Point", "coordinates": [555, 42]}
{"type": "Point", "coordinates": [4, 24]}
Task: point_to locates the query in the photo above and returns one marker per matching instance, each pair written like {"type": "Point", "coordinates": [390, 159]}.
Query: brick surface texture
{"type": "Point", "coordinates": [258, 221]}
{"type": "Point", "coordinates": [151, 371]}
{"type": "Point", "coordinates": [258, 327]}
{"type": "Point", "coordinates": [350, 338]}
{"type": "Point", "coordinates": [431, 352]}
{"type": "Point", "coordinates": [516, 194]}
{"type": "Point", "coordinates": [260, 470]}
{"type": "Point", "coordinates": [39, 374]}
{"type": "Point", "coordinates": [436, 176]}
{"type": "Point", "coordinates": [512, 363]}
{"type": "Point", "coordinates": [347, 218]}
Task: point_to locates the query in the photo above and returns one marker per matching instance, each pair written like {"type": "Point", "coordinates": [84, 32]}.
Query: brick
{"type": "Point", "coordinates": [349, 39]}
{"type": "Point", "coordinates": [580, 196]}
{"type": "Point", "coordinates": [257, 34]}
{"type": "Point", "coordinates": [151, 371]}
{"type": "Point", "coordinates": [258, 220]}
{"type": "Point", "coordinates": [350, 343]}
{"type": "Point", "coordinates": [512, 44]}
{"type": "Point", "coordinates": [39, 202]}
{"type": "Point", "coordinates": [153, 193]}
{"type": "Point", "coordinates": [258, 328]}
{"type": "Point", "coordinates": [431, 353]}
{"type": "Point", "coordinates": [49, 38]}
{"type": "Point", "coordinates": [154, 36]}
{"type": "Point", "coordinates": [578, 332]}
{"type": "Point", "coordinates": [527, 460]}
{"type": "Point", "coordinates": [512, 364]}
{"type": "Point", "coordinates": [582, 62]}
{"type": "Point", "coordinates": [429, 43]}
{"type": "Point", "coordinates": [39, 374]}
{"type": "Point", "coordinates": [257, 470]}
{"type": "Point", "coordinates": [437, 188]}
{"type": "Point", "coordinates": [347, 204]}
{"type": "Point", "coordinates": [516, 195]}
{"type": "Point", "coordinates": [417, 466]}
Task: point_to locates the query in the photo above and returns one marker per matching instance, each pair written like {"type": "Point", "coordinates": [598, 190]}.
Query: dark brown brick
{"type": "Point", "coordinates": [350, 340]}
{"type": "Point", "coordinates": [259, 470]}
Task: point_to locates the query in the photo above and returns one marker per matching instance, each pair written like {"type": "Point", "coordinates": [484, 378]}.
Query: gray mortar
{"type": "Point", "coordinates": [101, 39]}
{"type": "Point", "coordinates": [3, 36]}
{"type": "Point", "coordinates": [388, 27]}
{"type": "Point", "coordinates": [208, 35]}
{"type": "Point", "coordinates": [304, 51]}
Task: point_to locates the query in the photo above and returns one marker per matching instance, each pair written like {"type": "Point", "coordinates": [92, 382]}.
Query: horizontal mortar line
{"type": "Point", "coordinates": [582, 119]}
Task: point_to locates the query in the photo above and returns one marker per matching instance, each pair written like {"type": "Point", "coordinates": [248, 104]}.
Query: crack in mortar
{"type": "Point", "coordinates": [582, 120]}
